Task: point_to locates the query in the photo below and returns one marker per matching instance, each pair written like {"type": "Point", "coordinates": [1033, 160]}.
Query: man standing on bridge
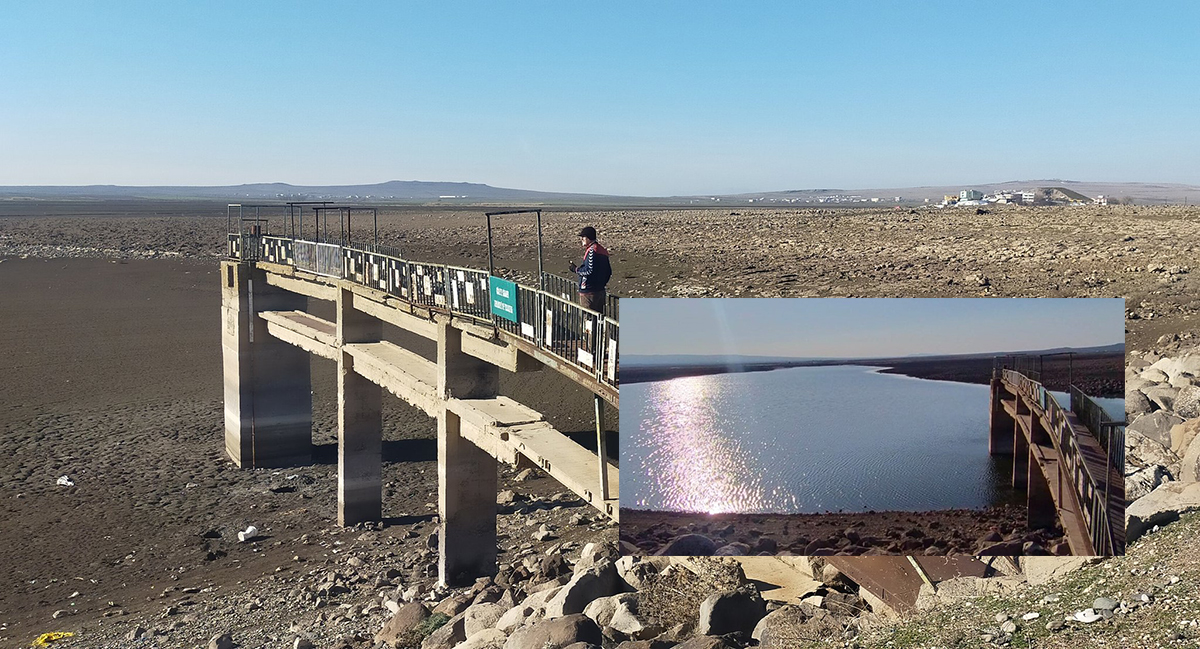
{"type": "Point", "coordinates": [594, 272]}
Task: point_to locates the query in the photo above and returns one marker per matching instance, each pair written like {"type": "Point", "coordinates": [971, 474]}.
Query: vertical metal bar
{"type": "Point", "coordinates": [491, 260]}
{"type": "Point", "coordinates": [601, 447]}
{"type": "Point", "coordinates": [375, 220]}
{"type": "Point", "coordinates": [541, 273]}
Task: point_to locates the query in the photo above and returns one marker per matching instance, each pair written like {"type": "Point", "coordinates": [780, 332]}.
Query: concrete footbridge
{"type": "Point", "coordinates": [480, 324]}
{"type": "Point", "coordinates": [1069, 460]}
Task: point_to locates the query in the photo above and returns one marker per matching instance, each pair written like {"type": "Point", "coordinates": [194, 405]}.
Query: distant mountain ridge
{"type": "Point", "coordinates": [409, 191]}
{"type": "Point", "coordinates": [392, 190]}
{"type": "Point", "coordinates": [630, 360]}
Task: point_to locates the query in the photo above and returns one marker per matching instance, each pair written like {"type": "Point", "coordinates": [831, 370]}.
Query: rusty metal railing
{"type": "Point", "coordinates": [552, 320]}
{"type": "Point", "coordinates": [1093, 501]}
{"type": "Point", "coordinates": [1111, 434]}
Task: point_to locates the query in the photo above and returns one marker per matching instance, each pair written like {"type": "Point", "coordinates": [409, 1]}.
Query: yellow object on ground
{"type": "Point", "coordinates": [47, 638]}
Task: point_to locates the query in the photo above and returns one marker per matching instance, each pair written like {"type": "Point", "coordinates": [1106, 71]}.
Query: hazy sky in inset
{"type": "Point", "coordinates": [842, 328]}
{"type": "Point", "coordinates": [641, 98]}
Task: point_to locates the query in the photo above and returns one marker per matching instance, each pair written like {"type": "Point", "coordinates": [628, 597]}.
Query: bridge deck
{"type": "Point", "coordinates": [1096, 458]}
{"type": "Point", "coordinates": [1062, 488]}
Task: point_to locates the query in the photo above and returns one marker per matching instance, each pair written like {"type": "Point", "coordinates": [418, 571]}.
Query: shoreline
{"type": "Point", "coordinates": [1098, 374]}
{"type": "Point", "coordinates": [998, 530]}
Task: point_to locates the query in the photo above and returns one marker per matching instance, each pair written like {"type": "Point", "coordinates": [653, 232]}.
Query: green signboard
{"type": "Point", "coordinates": [504, 298]}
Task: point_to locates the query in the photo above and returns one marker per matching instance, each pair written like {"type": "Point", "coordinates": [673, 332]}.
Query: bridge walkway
{"type": "Point", "coordinates": [1080, 479]}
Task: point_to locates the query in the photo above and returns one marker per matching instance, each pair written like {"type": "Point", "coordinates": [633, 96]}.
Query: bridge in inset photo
{"type": "Point", "coordinates": [480, 324]}
{"type": "Point", "coordinates": [1070, 461]}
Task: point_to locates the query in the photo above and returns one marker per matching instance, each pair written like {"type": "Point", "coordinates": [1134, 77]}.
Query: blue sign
{"type": "Point", "coordinates": [504, 298]}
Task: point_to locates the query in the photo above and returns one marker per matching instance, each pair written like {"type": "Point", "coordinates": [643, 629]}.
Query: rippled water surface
{"type": "Point", "coordinates": [808, 440]}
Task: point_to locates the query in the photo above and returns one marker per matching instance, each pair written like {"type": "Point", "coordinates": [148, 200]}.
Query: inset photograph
{"type": "Point", "coordinates": [873, 426]}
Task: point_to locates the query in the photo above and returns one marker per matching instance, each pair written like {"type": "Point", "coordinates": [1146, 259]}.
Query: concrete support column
{"type": "Point", "coordinates": [268, 385]}
{"type": "Point", "coordinates": [1040, 503]}
{"type": "Point", "coordinates": [360, 422]}
{"type": "Point", "coordinates": [1000, 431]}
{"type": "Point", "coordinates": [466, 473]}
{"type": "Point", "coordinates": [1020, 453]}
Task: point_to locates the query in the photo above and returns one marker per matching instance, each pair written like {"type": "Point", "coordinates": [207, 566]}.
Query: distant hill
{"type": "Point", "coordinates": [680, 360]}
{"type": "Point", "coordinates": [464, 193]}
{"type": "Point", "coordinates": [394, 191]}
{"type": "Point", "coordinates": [1144, 193]}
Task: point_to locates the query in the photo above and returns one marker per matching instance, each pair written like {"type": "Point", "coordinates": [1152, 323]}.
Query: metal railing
{"type": "Point", "coordinates": [320, 258]}
{"type": "Point", "coordinates": [1111, 434]}
{"type": "Point", "coordinates": [1093, 501]}
{"type": "Point", "coordinates": [569, 290]}
{"type": "Point", "coordinates": [552, 320]}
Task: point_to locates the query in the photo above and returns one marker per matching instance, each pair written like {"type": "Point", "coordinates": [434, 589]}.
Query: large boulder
{"type": "Point", "coordinates": [703, 642]}
{"type": "Point", "coordinates": [530, 610]}
{"type": "Point", "coordinates": [1187, 402]}
{"type": "Point", "coordinates": [1183, 434]}
{"type": "Point", "coordinates": [485, 639]}
{"type": "Point", "coordinates": [688, 545]}
{"type": "Point", "coordinates": [595, 553]}
{"type": "Point", "coordinates": [448, 635]}
{"type": "Point", "coordinates": [1189, 467]}
{"type": "Point", "coordinates": [598, 581]}
{"type": "Point", "coordinates": [779, 626]}
{"type": "Point", "coordinates": [1143, 481]}
{"type": "Point", "coordinates": [481, 616]}
{"type": "Point", "coordinates": [1156, 426]}
{"type": "Point", "coordinates": [1163, 505]}
{"type": "Point", "coordinates": [1187, 365]}
{"type": "Point", "coordinates": [405, 620]}
{"type": "Point", "coordinates": [731, 611]}
{"type": "Point", "coordinates": [1142, 451]}
{"type": "Point", "coordinates": [1136, 403]}
{"type": "Point", "coordinates": [556, 634]}
{"type": "Point", "coordinates": [1162, 395]}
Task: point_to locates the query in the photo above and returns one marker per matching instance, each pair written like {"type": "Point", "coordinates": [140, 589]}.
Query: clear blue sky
{"type": "Point", "coordinates": [643, 98]}
{"type": "Point", "coordinates": [839, 328]}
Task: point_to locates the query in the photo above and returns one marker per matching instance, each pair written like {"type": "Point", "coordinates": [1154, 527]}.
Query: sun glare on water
{"type": "Point", "coordinates": [697, 464]}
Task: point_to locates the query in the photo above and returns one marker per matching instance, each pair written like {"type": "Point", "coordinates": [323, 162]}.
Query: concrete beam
{"type": "Point", "coordinates": [318, 290]}
{"type": "Point", "coordinates": [267, 384]}
{"type": "Point", "coordinates": [467, 476]}
{"type": "Point", "coordinates": [500, 354]}
{"type": "Point", "coordinates": [401, 372]}
{"type": "Point", "coordinates": [360, 422]}
{"type": "Point", "coordinates": [307, 332]}
{"type": "Point", "coordinates": [407, 321]}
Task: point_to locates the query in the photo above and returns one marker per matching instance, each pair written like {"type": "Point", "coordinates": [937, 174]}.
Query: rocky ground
{"type": "Point", "coordinates": [1144, 254]}
{"type": "Point", "coordinates": [305, 582]}
{"type": "Point", "coordinates": [997, 531]}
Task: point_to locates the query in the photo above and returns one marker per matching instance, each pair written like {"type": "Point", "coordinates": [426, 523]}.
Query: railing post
{"type": "Point", "coordinates": [601, 447]}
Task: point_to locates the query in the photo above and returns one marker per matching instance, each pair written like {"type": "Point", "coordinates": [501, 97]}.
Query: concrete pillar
{"type": "Point", "coordinates": [1040, 503]}
{"type": "Point", "coordinates": [1000, 435]}
{"type": "Point", "coordinates": [1020, 450]}
{"type": "Point", "coordinates": [268, 385]}
{"type": "Point", "coordinates": [360, 422]}
{"type": "Point", "coordinates": [466, 473]}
